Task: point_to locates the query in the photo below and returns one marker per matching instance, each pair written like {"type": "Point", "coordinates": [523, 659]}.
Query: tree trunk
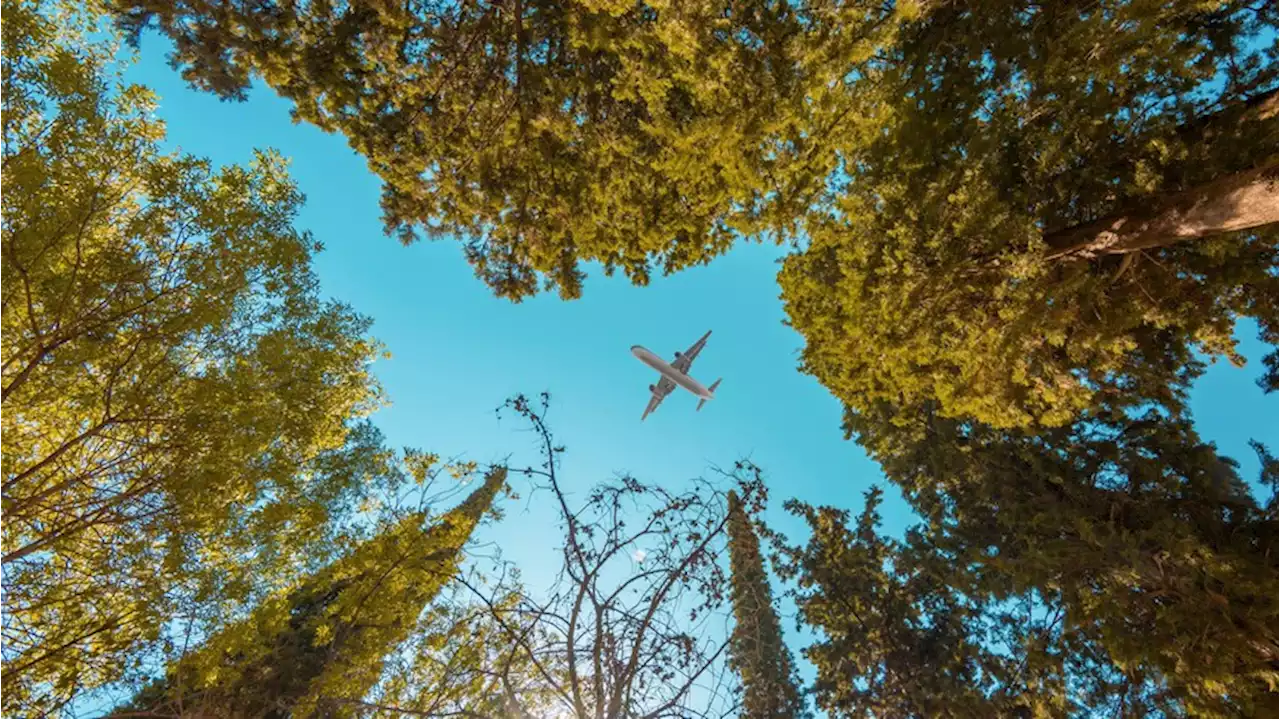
{"type": "Point", "coordinates": [1235, 202]}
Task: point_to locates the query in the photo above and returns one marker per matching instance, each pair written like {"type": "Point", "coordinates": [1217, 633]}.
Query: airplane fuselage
{"type": "Point", "coordinates": [671, 373]}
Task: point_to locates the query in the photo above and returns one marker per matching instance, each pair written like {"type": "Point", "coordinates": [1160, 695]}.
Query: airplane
{"type": "Point", "coordinates": [676, 373]}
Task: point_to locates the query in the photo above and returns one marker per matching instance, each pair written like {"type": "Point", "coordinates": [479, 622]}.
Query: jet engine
{"type": "Point", "coordinates": [652, 389]}
{"type": "Point", "coordinates": [678, 354]}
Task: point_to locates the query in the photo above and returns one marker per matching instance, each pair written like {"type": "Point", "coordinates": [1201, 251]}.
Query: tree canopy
{"type": "Point", "coordinates": [1057, 205]}
{"type": "Point", "coordinates": [179, 403]}
{"type": "Point", "coordinates": [1013, 209]}
{"type": "Point", "coordinates": [1159, 559]}
{"type": "Point", "coordinates": [1021, 231]}
{"type": "Point", "coordinates": [544, 134]}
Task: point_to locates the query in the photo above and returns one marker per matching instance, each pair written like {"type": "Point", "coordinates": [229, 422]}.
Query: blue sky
{"type": "Point", "coordinates": [458, 352]}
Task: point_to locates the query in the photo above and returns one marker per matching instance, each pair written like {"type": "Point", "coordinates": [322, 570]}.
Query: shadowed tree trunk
{"type": "Point", "coordinates": [1239, 201]}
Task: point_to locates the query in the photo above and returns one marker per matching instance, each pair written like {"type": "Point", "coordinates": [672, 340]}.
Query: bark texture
{"type": "Point", "coordinates": [1235, 202]}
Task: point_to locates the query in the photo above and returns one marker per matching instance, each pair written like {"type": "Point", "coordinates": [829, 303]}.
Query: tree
{"type": "Point", "coordinates": [630, 633]}
{"type": "Point", "coordinates": [461, 661]}
{"type": "Point", "coordinates": [1012, 210]}
{"type": "Point", "coordinates": [179, 403]}
{"type": "Point", "coordinates": [302, 654]}
{"type": "Point", "coordinates": [539, 132]}
{"type": "Point", "coordinates": [756, 650]}
{"type": "Point", "coordinates": [633, 625]}
{"type": "Point", "coordinates": [1052, 206]}
{"type": "Point", "coordinates": [1157, 553]}
{"type": "Point", "coordinates": [644, 136]}
{"type": "Point", "coordinates": [893, 640]}
{"type": "Point", "coordinates": [902, 631]}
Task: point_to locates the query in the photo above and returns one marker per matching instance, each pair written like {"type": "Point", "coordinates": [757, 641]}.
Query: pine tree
{"type": "Point", "coordinates": [1051, 204]}
{"type": "Point", "coordinates": [756, 649]}
{"type": "Point", "coordinates": [1159, 556]}
{"type": "Point", "coordinates": [895, 634]}
{"type": "Point", "coordinates": [317, 650]}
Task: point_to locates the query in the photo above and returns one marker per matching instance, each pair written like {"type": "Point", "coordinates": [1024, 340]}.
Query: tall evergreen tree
{"type": "Point", "coordinates": [893, 640]}
{"type": "Point", "coordinates": [1160, 557]}
{"type": "Point", "coordinates": [1046, 206]}
{"type": "Point", "coordinates": [756, 648]}
{"type": "Point", "coordinates": [903, 630]}
{"type": "Point", "coordinates": [316, 650]}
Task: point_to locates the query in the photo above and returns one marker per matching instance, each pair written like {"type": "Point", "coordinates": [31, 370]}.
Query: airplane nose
{"type": "Point", "coordinates": [635, 350]}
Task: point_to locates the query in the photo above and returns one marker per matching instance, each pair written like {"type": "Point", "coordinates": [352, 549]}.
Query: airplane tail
{"type": "Point", "coordinates": [712, 389]}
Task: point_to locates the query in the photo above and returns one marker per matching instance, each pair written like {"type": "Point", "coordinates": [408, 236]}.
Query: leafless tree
{"type": "Point", "coordinates": [634, 625]}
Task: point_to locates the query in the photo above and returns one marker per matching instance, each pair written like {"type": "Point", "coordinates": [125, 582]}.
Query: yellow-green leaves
{"type": "Point", "coordinates": [926, 276]}
{"type": "Point", "coordinates": [1126, 524]}
{"type": "Point", "coordinates": [318, 648]}
{"type": "Point", "coordinates": [937, 146]}
{"type": "Point", "coordinates": [178, 402]}
{"type": "Point", "coordinates": [544, 134]}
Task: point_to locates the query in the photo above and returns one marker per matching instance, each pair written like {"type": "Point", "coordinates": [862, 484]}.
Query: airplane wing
{"type": "Point", "coordinates": [660, 392]}
{"type": "Point", "coordinates": [685, 359]}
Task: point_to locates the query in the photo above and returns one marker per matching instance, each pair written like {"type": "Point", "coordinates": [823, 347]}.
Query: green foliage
{"type": "Point", "coordinates": [178, 402]}
{"type": "Point", "coordinates": [1032, 404]}
{"type": "Point", "coordinates": [461, 660]}
{"type": "Point", "coordinates": [895, 642]}
{"type": "Point", "coordinates": [756, 649]}
{"type": "Point", "coordinates": [645, 136]}
{"type": "Point", "coordinates": [951, 142]}
{"type": "Point", "coordinates": [182, 434]}
{"type": "Point", "coordinates": [1153, 547]}
{"type": "Point", "coordinates": [318, 649]}
{"type": "Point", "coordinates": [903, 632]}
{"type": "Point", "coordinates": [540, 132]}
{"type": "Point", "coordinates": [983, 131]}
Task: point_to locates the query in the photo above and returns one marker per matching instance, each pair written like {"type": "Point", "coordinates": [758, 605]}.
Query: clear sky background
{"type": "Point", "coordinates": [458, 352]}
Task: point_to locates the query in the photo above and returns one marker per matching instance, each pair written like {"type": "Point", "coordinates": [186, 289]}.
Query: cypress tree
{"type": "Point", "coordinates": [302, 654]}
{"type": "Point", "coordinates": [756, 650]}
